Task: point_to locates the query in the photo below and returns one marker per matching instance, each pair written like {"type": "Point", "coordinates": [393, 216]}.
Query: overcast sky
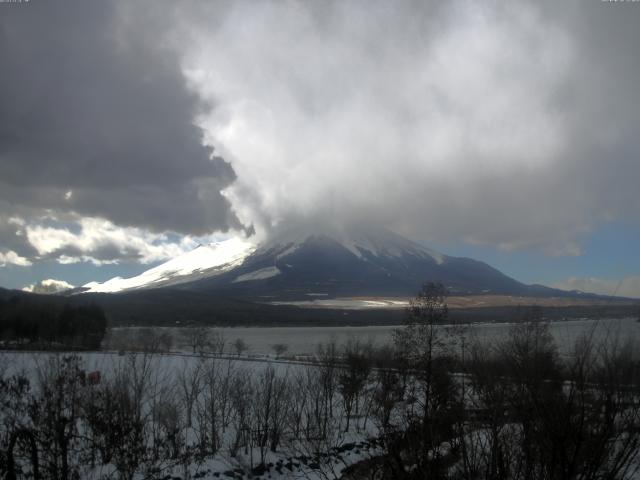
{"type": "Point", "coordinates": [504, 131]}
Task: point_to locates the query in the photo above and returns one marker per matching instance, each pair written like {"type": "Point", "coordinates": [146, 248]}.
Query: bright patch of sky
{"type": "Point", "coordinates": [609, 256]}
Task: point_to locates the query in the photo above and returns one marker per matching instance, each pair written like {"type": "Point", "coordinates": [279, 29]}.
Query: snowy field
{"type": "Point", "coordinates": [211, 390]}
{"type": "Point", "coordinates": [198, 416]}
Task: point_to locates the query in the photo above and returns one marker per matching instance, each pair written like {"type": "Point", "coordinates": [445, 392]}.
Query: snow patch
{"type": "Point", "coordinates": [261, 274]}
{"type": "Point", "coordinates": [288, 251]}
{"type": "Point", "coordinates": [389, 245]}
{"type": "Point", "coordinates": [347, 303]}
{"type": "Point", "coordinates": [367, 244]}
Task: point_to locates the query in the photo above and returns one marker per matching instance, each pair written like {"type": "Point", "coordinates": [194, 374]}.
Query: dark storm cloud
{"type": "Point", "coordinates": [9, 237]}
{"type": "Point", "coordinates": [105, 252]}
{"type": "Point", "coordinates": [93, 102]}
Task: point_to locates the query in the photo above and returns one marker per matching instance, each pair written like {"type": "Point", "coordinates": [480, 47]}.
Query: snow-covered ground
{"type": "Point", "coordinates": [169, 377]}
{"type": "Point", "coordinates": [347, 303]}
{"type": "Point", "coordinates": [165, 375]}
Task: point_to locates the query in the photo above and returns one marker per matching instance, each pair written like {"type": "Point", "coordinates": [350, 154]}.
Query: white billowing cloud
{"type": "Point", "coordinates": [10, 257]}
{"type": "Point", "coordinates": [48, 286]}
{"type": "Point", "coordinates": [450, 121]}
{"type": "Point", "coordinates": [625, 287]}
{"type": "Point", "coordinates": [101, 242]}
{"type": "Point", "coordinates": [372, 110]}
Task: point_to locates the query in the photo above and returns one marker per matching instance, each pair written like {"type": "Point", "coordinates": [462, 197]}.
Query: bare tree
{"type": "Point", "coordinates": [127, 416]}
{"type": "Point", "coordinates": [168, 415]}
{"type": "Point", "coordinates": [214, 405]}
{"type": "Point", "coordinates": [217, 342]}
{"type": "Point", "coordinates": [17, 429]}
{"type": "Point", "coordinates": [328, 358]}
{"type": "Point", "coordinates": [321, 433]}
{"type": "Point", "coordinates": [60, 389]}
{"type": "Point", "coordinates": [148, 340]}
{"type": "Point", "coordinates": [263, 403]}
{"type": "Point", "coordinates": [298, 403]}
{"type": "Point", "coordinates": [197, 338]}
{"type": "Point", "coordinates": [240, 346]}
{"type": "Point", "coordinates": [189, 380]}
{"type": "Point", "coordinates": [279, 349]}
{"type": "Point", "coordinates": [241, 394]}
{"type": "Point", "coordinates": [387, 393]}
{"type": "Point", "coordinates": [165, 341]}
{"type": "Point", "coordinates": [431, 397]}
{"type": "Point", "coordinates": [353, 377]}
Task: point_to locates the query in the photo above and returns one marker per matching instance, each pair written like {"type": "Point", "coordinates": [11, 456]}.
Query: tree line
{"type": "Point", "coordinates": [36, 322]}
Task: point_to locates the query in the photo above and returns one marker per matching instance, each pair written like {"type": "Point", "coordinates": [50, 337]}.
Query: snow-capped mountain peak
{"type": "Point", "coordinates": [363, 243]}
{"type": "Point", "coordinates": [205, 260]}
{"type": "Point", "coordinates": [334, 262]}
{"type": "Point", "coordinates": [388, 244]}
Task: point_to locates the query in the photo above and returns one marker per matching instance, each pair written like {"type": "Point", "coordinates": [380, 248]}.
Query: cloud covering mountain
{"type": "Point", "coordinates": [502, 124]}
{"type": "Point", "coordinates": [129, 132]}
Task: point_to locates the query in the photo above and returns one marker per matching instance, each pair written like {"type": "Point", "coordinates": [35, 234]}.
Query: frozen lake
{"type": "Point", "coordinates": [304, 340]}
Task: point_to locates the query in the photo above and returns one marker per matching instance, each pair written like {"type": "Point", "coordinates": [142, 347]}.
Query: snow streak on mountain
{"type": "Point", "coordinates": [203, 261]}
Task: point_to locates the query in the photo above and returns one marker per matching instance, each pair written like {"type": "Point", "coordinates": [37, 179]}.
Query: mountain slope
{"type": "Point", "coordinates": [322, 263]}
{"type": "Point", "coordinates": [204, 261]}
{"type": "Point", "coordinates": [379, 263]}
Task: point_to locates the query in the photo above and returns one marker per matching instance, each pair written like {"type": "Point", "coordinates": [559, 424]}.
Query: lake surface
{"type": "Point", "coordinates": [304, 340]}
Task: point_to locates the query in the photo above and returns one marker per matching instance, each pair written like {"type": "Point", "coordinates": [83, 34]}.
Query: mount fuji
{"type": "Point", "coordinates": [330, 263]}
